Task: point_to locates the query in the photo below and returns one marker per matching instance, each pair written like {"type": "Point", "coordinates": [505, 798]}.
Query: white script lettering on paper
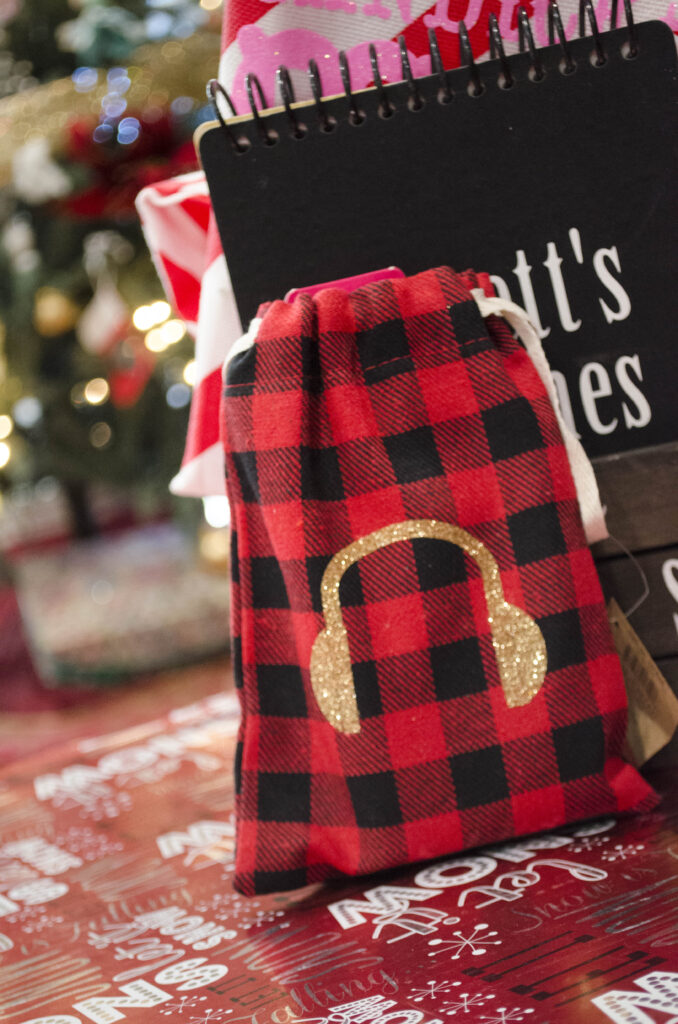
{"type": "Point", "coordinates": [388, 905]}
{"type": "Point", "coordinates": [212, 839]}
{"type": "Point", "coordinates": [80, 784]}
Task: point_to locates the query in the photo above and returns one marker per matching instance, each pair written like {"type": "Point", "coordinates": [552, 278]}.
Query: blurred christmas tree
{"type": "Point", "coordinates": [95, 371]}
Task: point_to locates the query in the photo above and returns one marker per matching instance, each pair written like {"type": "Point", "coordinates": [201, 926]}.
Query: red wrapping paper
{"type": "Point", "coordinates": [116, 904]}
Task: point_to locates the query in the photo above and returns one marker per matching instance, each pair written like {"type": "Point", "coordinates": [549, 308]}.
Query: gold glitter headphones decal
{"type": "Point", "coordinates": [518, 642]}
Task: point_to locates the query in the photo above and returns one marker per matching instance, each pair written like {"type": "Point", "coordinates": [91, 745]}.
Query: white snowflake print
{"type": "Point", "coordinates": [465, 1003]}
{"type": "Point", "coordinates": [209, 1017]}
{"type": "Point", "coordinates": [475, 943]}
{"type": "Point", "coordinates": [35, 919]}
{"type": "Point", "coordinates": [622, 851]}
{"type": "Point", "coordinates": [190, 1002]}
{"type": "Point", "coordinates": [228, 906]}
{"type": "Point", "coordinates": [588, 843]}
{"type": "Point", "coordinates": [505, 1016]}
{"type": "Point", "coordinates": [89, 844]}
{"type": "Point", "coordinates": [432, 991]}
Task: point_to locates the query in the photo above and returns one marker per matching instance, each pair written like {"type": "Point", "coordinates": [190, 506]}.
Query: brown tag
{"type": "Point", "coordinates": [653, 707]}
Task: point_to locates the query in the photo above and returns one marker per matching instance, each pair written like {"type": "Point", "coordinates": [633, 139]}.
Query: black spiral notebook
{"type": "Point", "coordinates": [565, 189]}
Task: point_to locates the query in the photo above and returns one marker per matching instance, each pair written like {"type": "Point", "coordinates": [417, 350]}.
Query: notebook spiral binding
{"type": "Point", "coordinates": [475, 87]}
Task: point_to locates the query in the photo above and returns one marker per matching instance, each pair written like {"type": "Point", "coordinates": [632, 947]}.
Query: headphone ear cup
{"type": "Point", "coordinates": [332, 680]}
{"type": "Point", "coordinates": [521, 654]}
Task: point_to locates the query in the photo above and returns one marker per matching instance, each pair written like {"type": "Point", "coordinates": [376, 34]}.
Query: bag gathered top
{"type": "Point", "coordinates": [419, 638]}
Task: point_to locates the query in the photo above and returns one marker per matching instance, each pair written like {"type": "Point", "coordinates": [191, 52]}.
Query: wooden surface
{"type": "Point", "coordinates": [640, 490]}
{"type": "Point", "coordinates": [656, 618]}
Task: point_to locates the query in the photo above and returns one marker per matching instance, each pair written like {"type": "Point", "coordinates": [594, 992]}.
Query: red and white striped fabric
{"type": "Point", "coordinates": [183, 240]}
{"type": "Point", "coordinates": [258, 36]}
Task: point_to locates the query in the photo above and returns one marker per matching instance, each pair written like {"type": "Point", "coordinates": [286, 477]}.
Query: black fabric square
{"type": "Point", "coordinates": [472, 348]}
{"type": "Point", "coordinates": [457, 669]}
{"type": "Point", "coordinates": [536, 533]}
{"type": "Point", "coordinates": [382, 343]}
{"type": "Point", "coordinates": [284, 796]}
{"type": "Point", "coordinates": [236, 660]}
{"type": "Point", "coordinates": [467, 323]}
{"type": "Point", "coordinates": [310, 365]}
{"type": "Point", "coordinates": [241, 372]}
{"type": "Point", "coordinates": [580, 749]}
{"type": "Point", "coordinates": [281, 691]}
{"type": "Point", "coordinates": [279, 881]}
{"type": "Point", "coordinates": [479, 777]}
{"type": "Point", "coordinates": [268, 584]}
{"type": "Point", "coordinates": [246, 468]}
{"type": "Point", "coordinates": [563, 639]}
{"type": "Point", "coordinates": [366, 682]}
{"type": "Point", "coordinates": [392, 368]}
{"type": "Point", "coordinates": [235, 561]}
{"type": "Point", "coordinates": [512, 429]}
{"type": "Point", "coordinates": [375, 800]}
{"type": "Point", "coordinates": [315, 567]}
{"type": "Point", "coordinates": [350, 588]}
{"type": "Point", "coordinates": [320, 474]}
{"type": "Point", "coordinates": [414, 455]}
{"type": "Point", "coordinates": [438, 563]}
{"type": "Point", "coordinates": [237, 766]}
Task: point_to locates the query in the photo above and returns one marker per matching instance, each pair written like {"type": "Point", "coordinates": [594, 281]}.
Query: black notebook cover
{"type": "Point", "coordinates": [565, 189]}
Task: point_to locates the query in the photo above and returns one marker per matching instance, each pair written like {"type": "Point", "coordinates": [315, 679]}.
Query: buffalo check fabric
{"type": "Point", "coordinates": [351, 414]}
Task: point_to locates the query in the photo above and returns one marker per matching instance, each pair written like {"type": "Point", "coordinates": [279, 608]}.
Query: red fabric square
{"type": "Point", "coordinates": [586, 583]}
{"type": "Point", "coordinates": [446, 392]}
{"type": "Point", "coordinates": [540, 809]}
{"type": "Point", "coordinates": [433, 837]}
{"type": "Point", "coordinates": [415, 300]}
{"type": "Point", "coordinates": [349, 409]}
{"type": "Point", "coordinates": [516, 723]}
{"type": "Point", "coordinates": [561, 474]}
{"type": "Point", "coordinates": [397, 626]}
{"type": "Point", "coordinates": [324, 753]}
{"type": "Point", "coordinates": [333, 312]}
{"type": "Point", "coordinates": [275, 419]}
{"type": "Point", "coordinates": [477, 496]}
{"type": "Point", "coordinates": [369, 512]}
{"type": "Point", "coordinates": [336, 848]}
{"type": "Point", "coordinates": [250, 752]}
{"type": "Point", "coordinates": [415, 736]}
{"type": "Point", "coordinates": [607, 681]}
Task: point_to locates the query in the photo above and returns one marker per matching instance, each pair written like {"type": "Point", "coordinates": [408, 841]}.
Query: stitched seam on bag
{"type": "Point", "coordinates": [343, 376]}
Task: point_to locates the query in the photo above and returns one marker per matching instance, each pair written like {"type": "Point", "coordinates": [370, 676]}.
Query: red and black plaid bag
{"type": "Point", "coordinates": [419, 637]}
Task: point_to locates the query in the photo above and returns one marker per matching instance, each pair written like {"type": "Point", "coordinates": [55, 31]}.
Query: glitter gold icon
{"type": "Point", "coordinates": [517, 640]}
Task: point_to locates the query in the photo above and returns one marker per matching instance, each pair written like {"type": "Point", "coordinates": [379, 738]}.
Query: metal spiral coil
{"type": "Point", "coordinates": [475, 85]}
